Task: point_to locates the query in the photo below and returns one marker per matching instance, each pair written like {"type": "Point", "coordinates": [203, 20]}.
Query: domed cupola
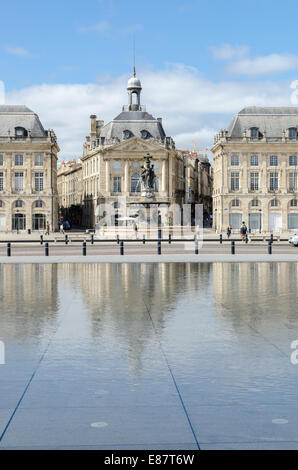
{"type": "Point", "coordinates": [134, 87]}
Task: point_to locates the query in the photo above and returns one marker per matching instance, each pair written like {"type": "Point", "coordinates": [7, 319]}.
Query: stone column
{"type": "Point", "coordinates": [163, 177]}
{"type": "Point", "coordinates": [126, 178]}
{"type": "Point", "coordinates": [108, 178]}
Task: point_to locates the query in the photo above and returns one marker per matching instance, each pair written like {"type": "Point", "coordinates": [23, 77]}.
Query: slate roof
{"type": "Point", "coordinates": [135, 122]}
{"type": "Point", "coordinates": [19, 116]}
{"type": "Point", "coordinates": [270, 119]}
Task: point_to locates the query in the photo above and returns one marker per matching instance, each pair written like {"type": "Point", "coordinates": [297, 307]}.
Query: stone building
{"type": "Point", "coordinates": [114, 153]}
{"type": "Point", "coordinates": [70, 191]}
{"type": "Point", "coordinates": [28, 171]}
{"type": "Point", "coordinates": [198, 182]}
{"type": "Point", "coordinates": [255, 171]}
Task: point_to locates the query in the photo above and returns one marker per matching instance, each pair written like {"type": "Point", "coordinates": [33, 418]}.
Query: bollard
{"type": "Point", "coordinates": [84, 249]}
{"type": "Point", "coordinates": [233, 247]}
{"type": "Point", "coordinates": [196, 246]}
{"type": "Point", "coordinates": [8, 249]}
{"type": "Point", "coordinates": [170, 239]}
{"type": "Point", "coordinates": [144, 239]}
{"type": "Point", "coordinates": [220, 239]}
{"type": "Point", "coordinates": [92, 239]}
{"type": "Point", "coordinates": [269, 247]}
{"type": "Point", "coordinates": [46, 249]}
{"type": "Point", "coordinates": [159, 247]}
{"type": "Point", "coordinates": [159, 234]}
{"type": "Point", "coordinates": [121, 248]}
{"type": "Point", "coordinates": [41, 239]}
{"type": "Point", "coordinates": [271, 238]}
{"type": "Point", "coordinates": [118, 240]}
{"type": "Point", "coordinates": [246, 239]}
{"type": "Point", "coordinates": [66, 239]}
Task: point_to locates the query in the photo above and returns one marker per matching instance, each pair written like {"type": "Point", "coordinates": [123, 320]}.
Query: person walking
{"type": "Point", "coordinates": [135, 227]}
{"type": "Point", "coordinates": [243, 231]}
{"type": "Point", "coordinates": [229, 230]}
{"type": "Point", "coordinates": [48, 229]}
{"type": "Point", "coordinates": [61, 228]}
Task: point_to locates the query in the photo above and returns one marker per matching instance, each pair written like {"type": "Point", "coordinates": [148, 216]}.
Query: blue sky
{"type": "Point", "coordinates": [199, 62]}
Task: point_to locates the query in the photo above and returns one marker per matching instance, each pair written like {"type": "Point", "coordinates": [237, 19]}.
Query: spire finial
{"type": "Point", "coordinates": [134, 56]}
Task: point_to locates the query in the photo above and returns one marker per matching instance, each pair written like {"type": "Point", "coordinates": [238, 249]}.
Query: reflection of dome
{"type": "Point", "coordinates": [134, 82]}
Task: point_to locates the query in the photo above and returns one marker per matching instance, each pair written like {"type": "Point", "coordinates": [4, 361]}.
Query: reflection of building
{"type": "Point", "coordinates": [114, 153]}
{"type": "Point", "coordinates": [28, 299]}
{"type": "Point", "coordinates": [28, 171]}
{"type": "Point", "coordinates": [198, 181]}
{"type": "Point", "coordinates": [118, 297]}
{"type": "Point", "coordinates": [251, 293]}
{"type": "Point", "coordinates": [70, 190]}
{"type": "Point", "coordinates": [255, 171]}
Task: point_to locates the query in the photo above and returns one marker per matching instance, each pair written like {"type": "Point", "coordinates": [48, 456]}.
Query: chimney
{"type": "Point", "coordinates": [93, 127]}
{"type": "Point", "coordinates": [99, 125]}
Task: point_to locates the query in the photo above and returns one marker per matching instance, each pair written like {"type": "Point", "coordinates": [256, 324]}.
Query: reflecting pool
{"type": "Point", "coordinates": [149, 356]}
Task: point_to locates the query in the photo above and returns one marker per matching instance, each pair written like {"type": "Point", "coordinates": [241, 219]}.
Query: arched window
{"type": "Point", "coordinates": [38, 204]}
{"type": "Point", "coordinates": [235, 203]}
{"type": "Point", "coordinates": [254, 203]}
{"type": "Point", "coordinates": [19, 203]}
{"type": "Point", "coordinates": [20, 132]}
{"type": "Point", "coordinates": [145, 134]}
{"type": "Point", "coordinates": [274, 203]}
{"type": "Point", "coordinates": [293, 203]}
{"type": "Point", "coordinates": [1, 203]}
{"type": "Point", "coordinates": [254, 132]}
{"type": "Point", "coordinates": [135, 184]}
{"type": "Point", "coordinates": [127, 134]}
{"type": "Point", "coordinates": [38, 222]}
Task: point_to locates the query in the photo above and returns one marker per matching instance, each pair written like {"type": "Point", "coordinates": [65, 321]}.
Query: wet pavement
{"type": "Point", "coordinates": [149, 356]}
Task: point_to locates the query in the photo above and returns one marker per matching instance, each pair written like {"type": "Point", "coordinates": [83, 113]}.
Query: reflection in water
{"type": "Point", "coordinates": [28, 300]}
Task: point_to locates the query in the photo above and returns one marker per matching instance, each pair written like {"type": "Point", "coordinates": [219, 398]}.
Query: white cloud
{"type": "Point", "coordinates": [266, 65]}
{"type": "Point", "coordinates": [227, 51]}
{"type": "Point", "coordinates": [14, 50]}
{"type": "Point", "coordinates": [192, 107]}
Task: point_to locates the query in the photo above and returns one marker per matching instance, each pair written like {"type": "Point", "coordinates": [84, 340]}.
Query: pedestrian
{"type": "Point", "coordinates": [229, 230]}
{"type": "Point", "coordinates": [61, 228]}
{"type": "Point", "coordinates": [243, 231]}
{"type": "Point", "coordinates": [135, 227]}
{"type": "Point", "coordinates": [48, 229]}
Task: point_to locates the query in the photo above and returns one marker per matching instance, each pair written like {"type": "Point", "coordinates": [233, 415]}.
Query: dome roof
{"type": "Point", "coordinates": [134, 82]}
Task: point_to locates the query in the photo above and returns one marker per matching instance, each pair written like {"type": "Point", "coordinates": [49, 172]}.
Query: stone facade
{"type": "Point", "coordinates": [70, 191]}
{"type": "Point", "coordinates": [28, 172]}
{"type": "Point", "coordinates": [113, 156]}
{"type": "Point", "coordinates": [255, 171]}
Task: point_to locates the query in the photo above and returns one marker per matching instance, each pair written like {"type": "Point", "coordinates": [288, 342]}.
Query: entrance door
{"type": "Point", "coordinates": [2, 222]}
{"type": "Point", "coordinates": [235, 220]}
{"type": "Point", "coordinates": [293, 221]}
{"type": "Point", "coordinates": [38, 222]}
{"type": "Point", "coordinates": [275, 221]}
{"type": "Point", "coordinates": [255, 221]}
{"type": "Point", "coordinates": [18, 222]}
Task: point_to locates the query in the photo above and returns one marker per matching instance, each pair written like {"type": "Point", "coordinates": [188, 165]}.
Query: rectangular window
{"type": "Point", "coordinates": [1, 182]}
{"type": "Point", "coordinates": [117, 184]}
{"type": "Point", "coordinates": [273, 160]}
{"type": "Point", "coordinates": [38, 160]}
{"type": "Point", "coordinates": [254, 181]}
{"type": "Point", "coordinates": [38, 182]}
{"type": "Point", "coordinates": [234, 160]}
{"type": "Point", "coordinates": [117, 166]}
{"type": "Point", "coordinates": [1, 160]}
{"type": "Point", "coordinates": [254, 160]}
{"type": "Point", "coordinates": [293, 181]}
{"type": "Point", "coordinates": [19, 181]}
{"type": "Point", "coordinates": [273, 184]}
{"type": "Point", "coordinates": [293, 160]}
{"type": "Point", "coordinates": [234, 181]}
{"type": "Point", "coordinates": [18, 160]}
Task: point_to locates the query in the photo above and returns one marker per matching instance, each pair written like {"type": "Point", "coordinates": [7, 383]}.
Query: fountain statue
{"type": "Point", "coordinates": [148, 178]}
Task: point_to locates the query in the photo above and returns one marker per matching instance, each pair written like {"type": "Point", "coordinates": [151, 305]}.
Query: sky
{"type": "Point", "coordinates": [199, 62]}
